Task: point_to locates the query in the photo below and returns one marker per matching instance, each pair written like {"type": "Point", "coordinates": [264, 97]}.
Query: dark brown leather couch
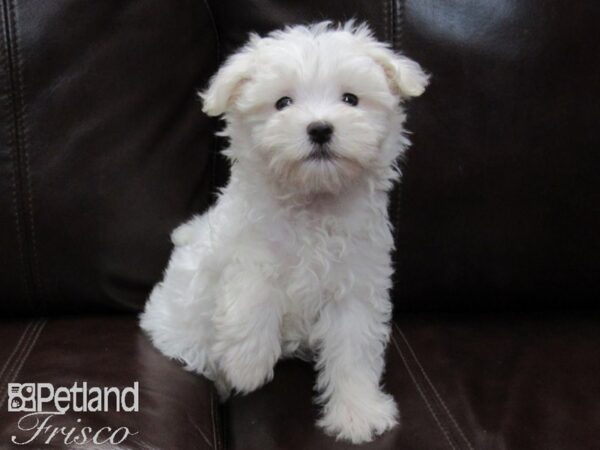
{"type": "Point", "coordinates": [104, 150]}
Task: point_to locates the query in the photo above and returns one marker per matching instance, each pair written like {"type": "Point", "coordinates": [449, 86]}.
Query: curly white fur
{"type": "Point", "coordinates": [294, 258]}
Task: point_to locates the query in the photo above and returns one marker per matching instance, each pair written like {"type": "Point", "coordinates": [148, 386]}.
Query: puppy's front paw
{"type": "Point", "coordinates": [249, 376]}
{"type": "Point", "coordinates": [247, 371]}
{"type": "Point", "coordinates": [359, 420]}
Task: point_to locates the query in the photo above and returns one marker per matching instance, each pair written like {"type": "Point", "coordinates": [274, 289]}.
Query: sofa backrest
{"type": "Point", "coordinates": [104, 148]}
{"type": "Point", "coordinates": [500, 204]}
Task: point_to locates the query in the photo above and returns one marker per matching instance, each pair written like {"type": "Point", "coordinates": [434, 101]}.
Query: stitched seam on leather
{"type": "Point", "coordinates": [399, 26]}
{"type": "Point", "coordinates": [32, 339]}
{"type": "Point", "coordinates": [397, 43]}
{"type": "Point", "coordinates": [386, 33]}
{"type": "Point", "coordinates": [21, 116]}
{"type": "Point", "coordinates": [224, 421]}
{"type": "Point", "coordinates": [423, 394]}
{"type": "Point", "coordinates": [199, 430]}
{"type": "Point", "coordinates": [15, 351]}
{"type": "Point", "coordinates": [433, 388]}
{"type": "Point", "coordinates": [11, 131]}
{"type": "Point", "coordinates": [391, 22]}
{"type": "Point", "coordinates": [394, 208]}
{"type": "Point", "coordinates": [14, 368]}
{"type": "Point", "coordinates": [215, 143]}
{"type": "Point", "coordinates": [214, 419]}
{"type": "Point", "coordinates": [213, 22]}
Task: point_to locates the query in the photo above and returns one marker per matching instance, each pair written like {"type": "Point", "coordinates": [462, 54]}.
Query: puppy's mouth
{"type": "Point", "coordinates": [321, 153]}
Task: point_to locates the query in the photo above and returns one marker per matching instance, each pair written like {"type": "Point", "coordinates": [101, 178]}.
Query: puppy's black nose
{"type": "Point", "coordinates": [320, 132]}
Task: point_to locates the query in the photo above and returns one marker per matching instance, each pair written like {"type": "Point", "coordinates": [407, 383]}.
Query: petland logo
{"type": "Point", "coordinates": [43, 402]}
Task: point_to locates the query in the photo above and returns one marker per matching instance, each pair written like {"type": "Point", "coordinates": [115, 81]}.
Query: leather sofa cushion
{"type": "Point", "coordinates": [177, 409]}
{"type": "Point", "coordinates": [461, 382]}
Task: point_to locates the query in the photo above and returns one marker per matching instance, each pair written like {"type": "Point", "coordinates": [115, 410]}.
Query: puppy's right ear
{"type": "Point", "coordinates": [226, 83]}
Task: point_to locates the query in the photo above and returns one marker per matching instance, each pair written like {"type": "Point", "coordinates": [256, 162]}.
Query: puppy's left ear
{"type": "Point", "coordinates": [405, 76]}
{"type": "Point", "coordinates": [226, 83]}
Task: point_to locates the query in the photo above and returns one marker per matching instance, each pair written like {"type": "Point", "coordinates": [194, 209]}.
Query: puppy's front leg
{"type": "Point", "coordinates": [353, 334]}
{"type": "Point", "coordinates": [247, 324]}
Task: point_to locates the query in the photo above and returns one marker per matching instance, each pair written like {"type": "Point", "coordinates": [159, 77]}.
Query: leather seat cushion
{"type": "Point", "coordinates": [177, 409]}
{"type": "Point", "coordinates": [460, 382]}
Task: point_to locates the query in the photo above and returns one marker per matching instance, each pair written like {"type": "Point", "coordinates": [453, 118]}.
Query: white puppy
{"type": "Point", "coordinates": [294, 258]}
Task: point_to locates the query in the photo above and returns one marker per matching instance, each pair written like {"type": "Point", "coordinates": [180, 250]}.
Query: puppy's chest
{"type": "Point", "coordinates": [313, 256]}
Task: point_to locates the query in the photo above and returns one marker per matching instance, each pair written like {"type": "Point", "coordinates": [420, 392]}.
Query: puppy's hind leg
{"type": "Point", "coordinates": [247, 324]}
{"type": "Point", "coordinates": [177, 316]}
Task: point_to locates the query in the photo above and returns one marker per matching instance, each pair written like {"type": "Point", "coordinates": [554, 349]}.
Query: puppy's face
{"type": "Point", "coordinates": [317, 107]}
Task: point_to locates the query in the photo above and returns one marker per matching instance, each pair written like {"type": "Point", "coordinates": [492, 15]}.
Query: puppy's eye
{"type": "Point", "coordinates": [283, 102]}
{"type": "Point", "coordinates": [350, 99]}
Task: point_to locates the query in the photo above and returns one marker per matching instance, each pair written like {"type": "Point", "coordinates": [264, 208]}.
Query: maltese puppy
{"type": "Point", "coordinates": [294, 258]}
